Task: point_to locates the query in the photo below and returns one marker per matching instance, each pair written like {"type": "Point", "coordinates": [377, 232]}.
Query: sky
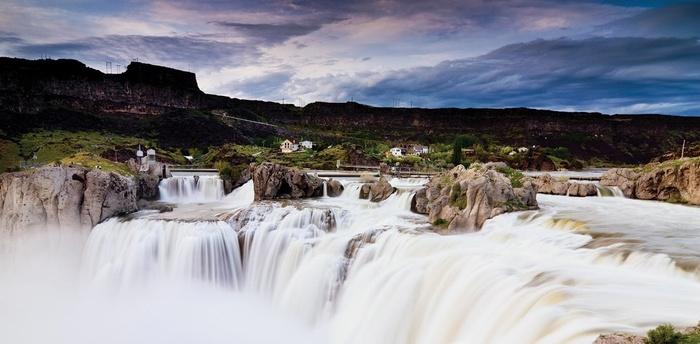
{"type": "Point", "coordinates": [612, 56]}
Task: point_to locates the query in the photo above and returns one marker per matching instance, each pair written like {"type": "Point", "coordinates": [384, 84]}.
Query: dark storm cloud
{"type": "Point", "coordinates": [270, 33]}
{"type": "Point", "coordinates": [616, 73]}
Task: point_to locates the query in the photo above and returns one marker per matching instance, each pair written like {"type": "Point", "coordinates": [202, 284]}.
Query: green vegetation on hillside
{"type": "Point", "coordinates": [93, 161]}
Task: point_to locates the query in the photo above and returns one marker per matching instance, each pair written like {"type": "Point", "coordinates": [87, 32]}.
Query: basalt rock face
{"type": "Point", "coordinates": [272, 181]}
{"type": "Point", "coordinates": [676, 181]}
{"type": "Point", "coordinates": [547, 184]}
{"type": "Point", "coordinates": [465, 198]}
{"type": "Point", "coordinates": [63, 197]}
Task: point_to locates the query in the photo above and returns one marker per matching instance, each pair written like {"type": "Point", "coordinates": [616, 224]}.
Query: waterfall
{"type": "Point", "coordinates": [369, 272]}
{"type": "Point", "coordinates": [122, 253]}
{"type": "Point", "coordinates": [191, 189]}
{"type": "Point", "coordinates": [609, 191]}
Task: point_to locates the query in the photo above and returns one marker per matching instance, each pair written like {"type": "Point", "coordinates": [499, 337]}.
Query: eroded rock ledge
{"type": "Point", "coordinates": [546, 184]}
{"type": "Point", "coordinates": [463, 199]}
{"type": "Point", "coordinates": [272, 181]}
{"type": "Point", "coordinates": [63, 197]}
{"type": "Point", "coordinates": [676, 181]}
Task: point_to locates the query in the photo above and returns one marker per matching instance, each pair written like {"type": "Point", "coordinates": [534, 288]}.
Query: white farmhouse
{"type": "Point", "coordinates": [420, 150]}
{"type": "Point", "coordinates": [288, 146]}
{"type": "Point", "coordinates": [398, 151]}
{"type": "Point", "coordinates": [306, 144]}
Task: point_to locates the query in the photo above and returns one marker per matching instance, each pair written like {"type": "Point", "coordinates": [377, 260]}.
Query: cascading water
{"type": "Point", "coordinates": [609, 191]}
{"type": "Point", "coordinates": [191, 189]}
{"type": "Point", "coordinates": [363, 272]}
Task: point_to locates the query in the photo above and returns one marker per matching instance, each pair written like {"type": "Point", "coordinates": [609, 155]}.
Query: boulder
{"type": "Point", "coordinates": [272, 181]}
{"type": "Point", "coordinates": [419, 202]}
{"type": "Point", "coordinates": [582, 190]}
{"type": "Point", "coordinates": [147, 186]}
{"type": "Point", "coordinates": [365, 190]}
{"type": "Point", "coordinates": [546, 184]}
{"type": "Point", "coordinates": [466, 198]}
{"type": "Point", "coordinates": [334, 188]}
{"type": "Point", "coordinates": [623, 178]}
{"type": "Point", "coordinates": [63, 197]}
{"type": "Point", "coordinates": [381, 190]}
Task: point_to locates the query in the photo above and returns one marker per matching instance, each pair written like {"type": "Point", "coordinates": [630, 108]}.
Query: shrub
{"type": "Point", "coordinates": [516, 177]}
{"type": "Point", "coordinates": [440, 223]}
{"type": "Point", "coordinates": [663, 334]}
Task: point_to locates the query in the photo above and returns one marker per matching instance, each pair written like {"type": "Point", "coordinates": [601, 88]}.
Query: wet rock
{"type": "Point", "coordinates": [582, 190]}
{"type": "Point", "coordinates": [334, 188]}
{"type": "Point", "coordinates": [466, 198]}
{"type": "Point", "coordinates": [272, 181]}
{"type": "Point", "coordinates": [147, 186]}
{"type": "Point", "coordinates": [546, 184]}
{"type": "Point", "coordinates": [623, 178]}
{"type": "Point", "coordinates": [63, 197]}
{"type": "Point", "coordinates": [676, 181]}
{"type": "Point", "coordinates": [381, 190]}
{"type": "Point", "coordinates": [419, 203]}
{"type": "Point", "coordinates": [365, 190]}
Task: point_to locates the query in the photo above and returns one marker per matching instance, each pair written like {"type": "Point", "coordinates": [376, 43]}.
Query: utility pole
{"type": "Point", "coordinates": [683, 149]}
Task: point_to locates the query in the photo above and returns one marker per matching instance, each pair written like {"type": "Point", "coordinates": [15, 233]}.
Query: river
{"type": "Point", "coordinates": [223, 269]}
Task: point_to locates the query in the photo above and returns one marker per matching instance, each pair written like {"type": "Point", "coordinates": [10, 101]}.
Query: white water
{"type": "Point", "coordinates": [191, 189]}
{"type": "Point", "coordinates": [345, 270]}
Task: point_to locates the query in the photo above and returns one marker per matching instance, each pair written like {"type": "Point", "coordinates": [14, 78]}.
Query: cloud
{"type": "Point", "coordinates": [598, 74]}
{"type": "Point", "coordinates": [270, 33]}
{"type": "Point", "coordinates": [680, 21]}
{"type": "Point", "coordinates": [181, 52]}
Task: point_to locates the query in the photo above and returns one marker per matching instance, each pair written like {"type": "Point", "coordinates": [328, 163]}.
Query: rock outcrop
{"type": "Point", "coordinates": [676, 181]}
{"type": "Point", "coordinates": [63, 197]}
{"type": "Point", "coordinates": [272, 181]}
{"type": "Point", "coordinates": [465, 198]}
{"type": "Point", "coordinates": [380, 190]}
{"type": "Point", "coordinates": [547, 184]}
{"type": "Point", "coordinates": [334, 188]}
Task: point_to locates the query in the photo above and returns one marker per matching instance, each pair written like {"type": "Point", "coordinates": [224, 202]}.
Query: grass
{"type": "Point", "coordinates": [52, 146]}
{"type": "Point", "coordinates": [9, 156]}
{"type": "Point", "coordinates": [91, 161]}
{"type": "Point", "coordinates": [516, 177]}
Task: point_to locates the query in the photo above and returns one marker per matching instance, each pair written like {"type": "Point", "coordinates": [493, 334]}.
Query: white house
{"type": "Point", "coordinates": [398, 151]}
{"type": "Point", "coordinates": [306, 144]}
{"type": "Point", "coordinates": [420, 150]}
{"type": "Point", "coordinates": [288, 146]}
{"type": "Point", "coordinates": [523, 149]}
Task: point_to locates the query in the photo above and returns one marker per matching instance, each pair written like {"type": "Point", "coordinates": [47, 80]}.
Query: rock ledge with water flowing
{"type": "Point", "coordinates": [272, 181]}
{"type": "Point", "coordinates": [546, 184]}
{"type": "Point", "coordinates": [63, 197]}
{"type": "Point", "coordinates": [463, 199]}
{"type": "Point", "coordinates": [676, 181]}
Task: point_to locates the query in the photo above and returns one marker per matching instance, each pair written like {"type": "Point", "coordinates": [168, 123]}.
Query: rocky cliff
{"type": "Point", "coordinates": [463, 199]}
{"type": "Point", "coordinates": [676, 181]}
{"type": "Point", "coordinates": [67, 95]}
{"type": "Point", "coordinates": [63, 197]}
